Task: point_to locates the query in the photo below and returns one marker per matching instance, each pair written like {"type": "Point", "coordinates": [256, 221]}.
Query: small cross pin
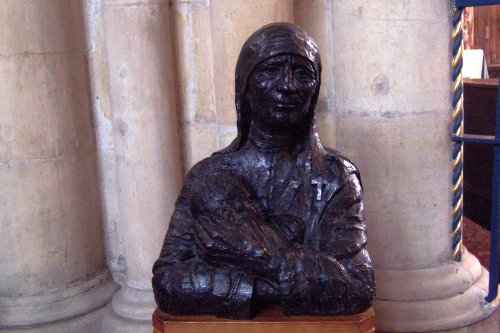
{"type": "Point", "coordinates": [319, 186]}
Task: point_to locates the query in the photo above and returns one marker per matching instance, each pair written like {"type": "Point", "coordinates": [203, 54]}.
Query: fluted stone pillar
{"type": "Point", "coordinates": [209, 36]}
{"type": "Point", "coordinates": [193, 41]}
{"type": "Point", "coordinates": [232, 22]}
{"type": "Point", "coordinates": [53, 273]}
{"type": "Point", "coordinates": [316, 18]}
{"type": "Point", "coordinates": [103, 129]}
{"type": "Point", "coordinates": [391, 71]}
{"type": "Point", "coordinates": [142, 94]}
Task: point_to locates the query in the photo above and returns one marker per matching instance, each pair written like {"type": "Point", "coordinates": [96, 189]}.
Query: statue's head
{"type": "Point", "coordinates": [279, 92]}
{"type": "Point", "coordinates": [278, 76]}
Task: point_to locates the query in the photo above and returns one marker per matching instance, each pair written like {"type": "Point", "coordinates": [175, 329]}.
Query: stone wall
{"type": "Point", "coordinates": [108, 103]}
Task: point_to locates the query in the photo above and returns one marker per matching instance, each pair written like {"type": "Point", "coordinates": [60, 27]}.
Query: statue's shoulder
{"type": "Point", "coordinates": [206, 167]}
{"type": "Point", "coordinates": [337, 162]}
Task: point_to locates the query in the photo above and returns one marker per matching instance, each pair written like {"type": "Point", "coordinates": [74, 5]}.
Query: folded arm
{"type": "Point", "coordinates": [338, 278]}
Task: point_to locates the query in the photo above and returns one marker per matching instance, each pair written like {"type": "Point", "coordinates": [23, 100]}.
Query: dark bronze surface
{"type": "Point", "coordinates": [274, 218]}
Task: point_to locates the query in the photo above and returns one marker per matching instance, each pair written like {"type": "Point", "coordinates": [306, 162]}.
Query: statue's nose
{"type": "Point", "coordinates": [286, 80]}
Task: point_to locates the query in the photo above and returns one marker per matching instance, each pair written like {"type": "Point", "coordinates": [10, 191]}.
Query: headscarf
{"type": "Point", "coordinates": [269, 41]}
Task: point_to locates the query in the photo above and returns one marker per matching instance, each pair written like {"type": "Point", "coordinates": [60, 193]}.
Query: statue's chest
{"type": "Point", "coordinates": [286, 186]}
{"type": "Point", "coordinates": [280, 183]}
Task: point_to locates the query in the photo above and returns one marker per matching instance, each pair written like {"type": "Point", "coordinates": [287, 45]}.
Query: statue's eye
{"type": "Point", "coordinates": [270, 70]}
{"type": "Point", "coordinates": [303, 73]}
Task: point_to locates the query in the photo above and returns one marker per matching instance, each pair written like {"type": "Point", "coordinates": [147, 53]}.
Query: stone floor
{"type": "Point", "coordinates": [477, 241]}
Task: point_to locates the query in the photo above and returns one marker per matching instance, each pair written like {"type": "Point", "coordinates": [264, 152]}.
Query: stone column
{"type": "Point", "coordinates": [52, 262]}
{"type": "Point", "coordinates": [232, 22]}
{"type": "Point", "coordinates": [392, 92]}
{"type": "Point", "coordinates": [209, 36]}
{"type": "Point", "coordinates": [193, 41]}
{"type": "Point", "coordinates": [142, 92]}
{"type": "Point", "coordinates": [103, 128]}
{"type": "Point", "coordinates": [316, 18]}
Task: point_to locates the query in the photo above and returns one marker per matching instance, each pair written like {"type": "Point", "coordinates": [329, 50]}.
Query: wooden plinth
{"type": "Point", "coordinates": [271, 321]}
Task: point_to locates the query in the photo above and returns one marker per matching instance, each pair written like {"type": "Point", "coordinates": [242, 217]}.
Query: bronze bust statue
{"type": "Point", "coordinates": [274, 219]}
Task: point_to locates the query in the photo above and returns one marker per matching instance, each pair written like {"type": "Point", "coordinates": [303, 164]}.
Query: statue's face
{"type": "Point", "coordinates": [280, 90]}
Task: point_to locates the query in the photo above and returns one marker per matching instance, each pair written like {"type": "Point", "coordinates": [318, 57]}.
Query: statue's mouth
{"type": "Point", "coordinates": [286, 105]}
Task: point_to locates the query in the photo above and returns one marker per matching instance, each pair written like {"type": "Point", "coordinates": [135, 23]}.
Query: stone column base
{"type": "Point", "coordinates": [130, 312]}
{"type": "Point", "coordinates": [488, 325]}
{"type": "Point", "coordinates": [89, 323]}
{"type": "Point", "coordinates": [74, 309]}
{"type": "Point", "coordinates": [433, 299]}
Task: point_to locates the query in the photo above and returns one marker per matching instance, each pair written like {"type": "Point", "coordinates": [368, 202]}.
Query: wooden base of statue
{"type": "Point", "coordinates": [271, 321]}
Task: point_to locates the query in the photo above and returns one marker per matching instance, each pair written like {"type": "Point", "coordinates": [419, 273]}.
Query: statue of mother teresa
{"type": "Point", "coordinates": [295, 239]}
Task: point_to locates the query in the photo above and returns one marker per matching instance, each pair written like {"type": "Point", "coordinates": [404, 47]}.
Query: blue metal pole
{"type": "Point", "coordinates": [495, 219]}
{"type": "Point", "coordinates": [470, 3]}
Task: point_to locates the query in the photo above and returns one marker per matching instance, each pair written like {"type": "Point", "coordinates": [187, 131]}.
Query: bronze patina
{"type": "Point", "coordinates": [274, 219]}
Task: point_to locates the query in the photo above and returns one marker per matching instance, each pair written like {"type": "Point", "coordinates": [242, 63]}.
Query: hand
{"type": "Point", "coordinates": [243, 245]}
{"type": "Point", "coordinates": [290, 227]}
{"type": "Point", "coordinates": [267, 291]}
